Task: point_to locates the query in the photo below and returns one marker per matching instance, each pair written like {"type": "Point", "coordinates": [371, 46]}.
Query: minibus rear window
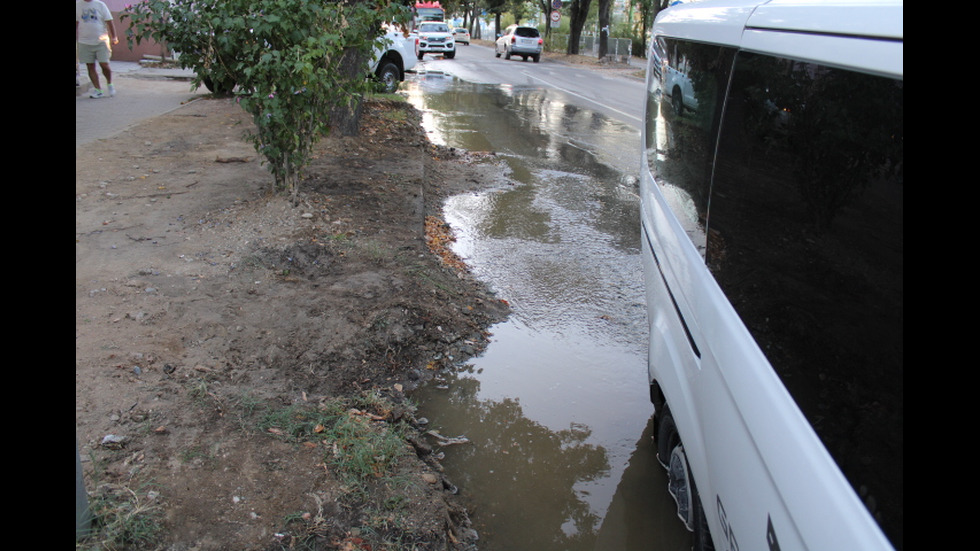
{"type": "Point", "coordinates": [806, 239]}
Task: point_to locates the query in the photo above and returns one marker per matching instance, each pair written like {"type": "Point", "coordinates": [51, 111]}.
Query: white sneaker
{"type": "Point", "coordinates": [96, 93]}
{"type": "Point", "coordinates": [112, 90]}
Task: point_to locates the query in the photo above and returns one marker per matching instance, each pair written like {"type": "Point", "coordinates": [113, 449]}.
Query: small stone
{"type": "Point", "coordinates": [113, 441]}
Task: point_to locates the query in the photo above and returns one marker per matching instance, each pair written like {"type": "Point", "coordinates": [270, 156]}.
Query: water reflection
{"type": "Point", "coordinates": [520, 469]}
{"type": "Point", "coordinates": [544, 248]}
{"type": "Point", "coordinates": [557, 406]}
{"type": "Point", "coordinates": [534, 123]}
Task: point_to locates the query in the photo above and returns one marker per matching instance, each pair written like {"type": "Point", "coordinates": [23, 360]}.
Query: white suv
{"type": "Point", "coordinates": [771, 207]}
{"type": "Point", "coordinates": [396, 57]}
{"type": "Point", "coordinates": [520, 41]}
{"type": "Point", "coordinates": [435, 37]}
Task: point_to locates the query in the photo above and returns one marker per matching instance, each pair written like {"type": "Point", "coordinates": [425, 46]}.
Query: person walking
{"type": "Point", "coordinates": [94, 30]}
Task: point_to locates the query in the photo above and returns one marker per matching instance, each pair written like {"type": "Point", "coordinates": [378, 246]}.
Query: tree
{"type": "Point", "coordinates": [579, 10]}
{"type": "Point", "coordinates": [648, 12]}
{"type": "Point", "coordinates": [544, 6]}
{"type": "Point", "coordinates": [496, 7]}
{"type": "Point", "coordinates": [604, 27]}
{"type": "Point", "coordinates": [345, 117]}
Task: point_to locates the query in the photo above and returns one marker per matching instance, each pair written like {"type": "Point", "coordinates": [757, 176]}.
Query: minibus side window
{"type": "Point", "coordinates": [684, 102]}
{"type": "Point", "coordinates": [806, 239]}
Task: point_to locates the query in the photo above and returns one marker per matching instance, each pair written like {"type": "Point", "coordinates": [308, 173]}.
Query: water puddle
{"type": "Point", "coordinates": [556, 409]}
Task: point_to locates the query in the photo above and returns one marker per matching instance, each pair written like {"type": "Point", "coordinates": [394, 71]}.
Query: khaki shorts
{"type": "Point", "coordinates": [90, 53]}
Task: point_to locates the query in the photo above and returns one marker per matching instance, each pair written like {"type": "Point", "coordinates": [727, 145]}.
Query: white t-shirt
{"type": "Point", "coordinates": [91, 17]}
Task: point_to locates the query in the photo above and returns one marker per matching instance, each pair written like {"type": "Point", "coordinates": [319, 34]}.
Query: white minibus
{"type": "Point", "coordinates": [772, 181]}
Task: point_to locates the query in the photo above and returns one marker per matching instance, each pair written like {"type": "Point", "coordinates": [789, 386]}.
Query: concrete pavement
{"type": "Point", "coordinates": [141, 93]}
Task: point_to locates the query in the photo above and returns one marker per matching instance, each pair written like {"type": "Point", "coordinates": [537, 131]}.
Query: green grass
{"type": "Point", "coordinates": [360, 440]}
{"type": "Point", "coordinates": [361, 443]}
{"type": "Point", "coordinates": [122, 519]}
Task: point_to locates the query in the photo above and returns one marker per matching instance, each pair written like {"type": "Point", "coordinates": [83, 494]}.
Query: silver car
{"type": "Point", "coordinates": [522, 41]}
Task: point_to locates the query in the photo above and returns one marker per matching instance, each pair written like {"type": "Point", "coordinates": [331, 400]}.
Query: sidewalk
{"type": "Point", "coordinates": [141, 93]}
{"type": "Point", "coordinates": [127, 69]}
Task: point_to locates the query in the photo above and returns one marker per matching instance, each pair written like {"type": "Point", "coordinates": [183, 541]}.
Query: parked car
{"type": "Point", "coordinates": [435, 37]}
{"type": "Point", "coordinates": [389, 64]}
{"type": "Point", "coordinates": [771, 207]}
{"type": "Point", "coordinates": [522, 41]}
{"type": "Point", "coordinates": [461, 35]}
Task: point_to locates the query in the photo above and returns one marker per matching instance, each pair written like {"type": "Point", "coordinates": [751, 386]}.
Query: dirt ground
{"type": "Point", "coordinates": [205, 304]}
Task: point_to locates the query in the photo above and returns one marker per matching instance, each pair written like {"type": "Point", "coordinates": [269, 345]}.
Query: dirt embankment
{"type": "Point", "coordinates": [241, 363]}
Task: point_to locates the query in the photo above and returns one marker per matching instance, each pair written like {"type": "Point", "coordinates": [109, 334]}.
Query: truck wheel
{"type": "Point", "coordinates": [677, 100]}
{"type": "Point", "coordinates": [220, 88]}
{"type": "Point", "coordinates": [537, 58]}
{"type": "Point", "coordinates": [450, 55]}
{"type": "Point", "coordinates": [388, 76]}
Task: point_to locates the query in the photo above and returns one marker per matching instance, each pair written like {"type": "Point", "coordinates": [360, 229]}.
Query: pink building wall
{"type": "Point", "coordinates": [122, 51]}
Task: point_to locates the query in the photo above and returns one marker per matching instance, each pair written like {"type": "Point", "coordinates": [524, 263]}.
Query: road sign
{"type": "Point", "coordinates": [555, 18]}
{"type": "Point", "coordinates": [556, 4]}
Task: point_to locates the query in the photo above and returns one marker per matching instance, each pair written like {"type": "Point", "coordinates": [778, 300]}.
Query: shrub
{"type": "Point", "coordinates": [291, 63]}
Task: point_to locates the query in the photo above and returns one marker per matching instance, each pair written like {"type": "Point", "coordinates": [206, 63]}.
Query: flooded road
{"type": "Point", "coordinates": [556, 409]}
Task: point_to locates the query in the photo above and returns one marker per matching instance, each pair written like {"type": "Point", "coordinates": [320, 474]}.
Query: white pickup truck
{"type": "Point", "coordinates": [392, 60]}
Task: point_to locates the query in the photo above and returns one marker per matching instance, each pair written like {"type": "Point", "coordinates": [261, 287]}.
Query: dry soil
{"type": "Point", "coordinates": [205, 304]}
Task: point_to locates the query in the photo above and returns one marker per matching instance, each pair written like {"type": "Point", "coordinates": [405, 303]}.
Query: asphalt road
{"type": "Point", "coordinates": [612, 90]}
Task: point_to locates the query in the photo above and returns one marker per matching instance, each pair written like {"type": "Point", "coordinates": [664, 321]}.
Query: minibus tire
{"type": "Point", "coordinates": [667, 438]}
{"type": "Point", "coordinates": [702, 535]}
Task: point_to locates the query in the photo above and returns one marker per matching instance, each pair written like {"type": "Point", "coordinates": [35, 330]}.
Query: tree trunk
{"type": "Point", "coordinates": [580, 12]}
{"type": "Point", "coordinates": [603, 27]}
{"type": "Point", "coordinates": [346, 119]}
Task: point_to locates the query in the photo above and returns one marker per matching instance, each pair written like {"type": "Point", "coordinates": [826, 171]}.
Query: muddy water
{"type": "Point", "coordinates": [556, 410]}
